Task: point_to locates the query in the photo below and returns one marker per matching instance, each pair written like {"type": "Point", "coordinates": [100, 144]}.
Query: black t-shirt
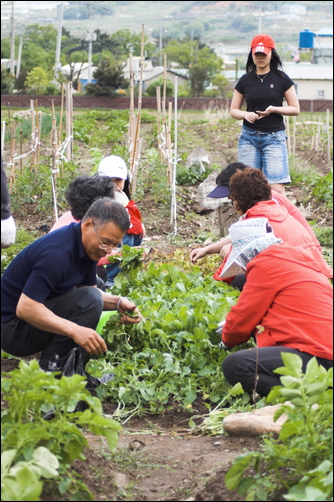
{"type": "Point", "coordinates": [259, 95]}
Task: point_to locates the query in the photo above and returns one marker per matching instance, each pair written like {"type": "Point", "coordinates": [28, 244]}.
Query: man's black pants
{"type": "Point", "coordinates": [82, 306]}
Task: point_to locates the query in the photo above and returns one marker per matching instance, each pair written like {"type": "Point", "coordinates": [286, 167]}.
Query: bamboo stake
{"type": "Point", "coordinates": [12, 158]}
{"type": "Point", "coordinates": [39, 131]}
{"type": "Point", "coordinates": [158, 91]}
{"type": "Point", "coordinates": [61, 111]}
{"type": "Point", "coordinates": [288, 134]}
{"type": "Point", "coordinates": [294, 140]}
{"type": "Point", "coordinates": [71, 123]}
{"type": "Point", "coordinates": [132, 117]}
{"type": "Point", "coordinates": [169, 144]}
{"type": "Point", "coordinates": [61, 122]}
{"type": "Point", "coordinates": [328, 137]}
{"type": "Point", "coordinates": [165, 80]}
{"type": "Point", "coordinates": [54, 164]}
{"type": "Point", "coordinates": [33, 134]}
{"type": "Point", "coordinates": [21, 150]}
{"type": "Point", "coordinates": [3, 135]}
{"type": "Point", "coordinates": [135, 158]}
{"type": "Point", "coordinates": [317, 137]}
{"type": "Point", "coordinates": [68, 121]}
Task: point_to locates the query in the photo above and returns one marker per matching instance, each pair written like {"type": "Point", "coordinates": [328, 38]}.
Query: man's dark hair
{"type": "Point", "coordinates": [84, 190]}
{"type": "Point", "coordinates": [224, 177]}
{"type": "Point", "coordinates": [106, 210]}
{"type": "Point", "coordinates": [248, 187]}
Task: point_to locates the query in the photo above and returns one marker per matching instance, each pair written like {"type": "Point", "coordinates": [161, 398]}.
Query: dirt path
{"type": "Point", "coordinates": [157, 464]}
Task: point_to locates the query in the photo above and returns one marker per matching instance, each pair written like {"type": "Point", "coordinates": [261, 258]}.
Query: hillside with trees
{"type": "Point", "coordinates": [190, 33]}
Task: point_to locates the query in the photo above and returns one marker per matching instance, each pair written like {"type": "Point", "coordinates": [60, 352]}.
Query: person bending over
{"type": "Point", "coordinates": [290, 311]}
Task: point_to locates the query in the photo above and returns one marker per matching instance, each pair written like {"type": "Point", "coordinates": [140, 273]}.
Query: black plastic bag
{"type": "Point", "coordinates": [72, 364]}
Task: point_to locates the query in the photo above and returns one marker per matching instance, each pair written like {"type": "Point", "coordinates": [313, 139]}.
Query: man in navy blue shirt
{"type": "Point", "coordinates": [49, 299]}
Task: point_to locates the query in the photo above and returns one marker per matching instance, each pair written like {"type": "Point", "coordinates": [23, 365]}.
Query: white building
{"type": "Point", "coordinates": [152, 73]}
{"type": "Point", "coordinates": [312, 81]}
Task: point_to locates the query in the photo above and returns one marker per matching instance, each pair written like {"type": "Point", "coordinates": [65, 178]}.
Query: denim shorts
{"type": "Point", "coordinates": [266, 151]}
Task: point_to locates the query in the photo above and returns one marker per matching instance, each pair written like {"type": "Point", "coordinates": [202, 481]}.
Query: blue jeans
{"type": "Point", "coordinates": [113, 268]}
{"type": "Point", "coordinates": [265, 151]}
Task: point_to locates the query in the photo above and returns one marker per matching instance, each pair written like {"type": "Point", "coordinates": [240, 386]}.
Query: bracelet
{"type": "Point", "coordinates": [118, 304]}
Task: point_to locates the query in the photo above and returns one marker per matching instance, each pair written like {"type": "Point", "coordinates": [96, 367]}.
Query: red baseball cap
{"type": "Point", "coordinates": [262, 43]}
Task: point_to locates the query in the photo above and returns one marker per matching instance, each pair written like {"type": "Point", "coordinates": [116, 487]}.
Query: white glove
{"type": "Point", "coordinates": [8, 232]}
{"type": "Point", "coordinates": [219, 331]}
{"type": "Point", "coordinates": [220, 327]}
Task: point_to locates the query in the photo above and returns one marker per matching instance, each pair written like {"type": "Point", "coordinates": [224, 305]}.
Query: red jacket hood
{"type": "Point", "coordinates": [267, 209]}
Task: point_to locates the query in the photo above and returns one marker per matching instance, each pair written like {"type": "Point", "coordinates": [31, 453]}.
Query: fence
{"type": "Point", "coordinates": [123, 102]}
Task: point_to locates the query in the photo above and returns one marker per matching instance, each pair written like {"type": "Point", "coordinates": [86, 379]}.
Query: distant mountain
{"type": "Point", "coordinates": [217, 23]}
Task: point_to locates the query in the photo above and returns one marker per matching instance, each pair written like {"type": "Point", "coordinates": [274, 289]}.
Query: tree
{"type": "Point", "coordinates": [151, 89]}
{"type": "Point", "coordinates": [202, 62]}
{"type": "Point", "coordinates": [223, 86]}
{"type": "Point", "coordinates": [123, 41]}
{"type": "Point", "coordinates": [43, 36]}
{"type": "Point", "coordinates": [109, 77]}
{"type": "Point", "coordinates": [37, 81]}
{"type": "Point", "coordinates": [7, 82]}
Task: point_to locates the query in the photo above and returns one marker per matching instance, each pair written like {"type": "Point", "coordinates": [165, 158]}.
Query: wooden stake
{"type": "Point", "coordinates": [288, 134]}
{"type": "Point", "coordinates": [54, 164]}
{"type": "Point", "coordinates": [169, 145]}
{"type": "Point", "coordinates": [158, 91]}
{"type": "Point", "coordinates": [33, 135]}
{"type": "Point", "coordinates": [135, 158]}
{"type": "Point", "coordinates": [12, 158]}
{"type": "Point", "coordinates": [328, 137]}
{"type": "Point", "coordinates": [294, 140]}
{"type": "Point", "coordinates": [21, 150]}
{"type": "Point", "coordinates": [39, 131]}
{"type": "Point", "coordinates": [61, 111]}
{"type": "Point", "coordinates": [132, 117]}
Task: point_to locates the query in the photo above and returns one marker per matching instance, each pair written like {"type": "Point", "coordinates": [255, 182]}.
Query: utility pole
{"type": "Point", "coordinates": [12, 43]}
{"type": "Point", "coordinates": [19, 57]}
{"type": "Point", "coordinates": [90, 37]}
{"type": "Point", "coordinates": [160, 47]}
{"type": "Point", "coordinates": [60, 25]}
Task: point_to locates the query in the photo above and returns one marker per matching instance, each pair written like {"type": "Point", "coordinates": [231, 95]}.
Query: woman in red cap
{"type": "Point", "coordinates": [264, 86]}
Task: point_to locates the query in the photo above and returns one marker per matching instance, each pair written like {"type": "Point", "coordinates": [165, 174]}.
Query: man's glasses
{"type": "Point", "coordinates": [105, 247]}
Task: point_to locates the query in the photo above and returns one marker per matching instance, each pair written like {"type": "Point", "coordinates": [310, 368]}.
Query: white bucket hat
{"type": "Point", "coordinates": [249, 237]}
{"type": "Point", "coordinates": [114, 167]}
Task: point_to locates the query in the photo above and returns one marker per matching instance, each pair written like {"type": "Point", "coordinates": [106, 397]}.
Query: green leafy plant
{"type": "Point", "coordinates": [29, 394]}
{"type": "Point", "coordinates": [23, 239]}
{"type": "Point", "coordinates": [173, 355]}
{"type": "Point", "coordinates": [317, 185]}
{"type": "Point", "coordinates": [300, 461]}
{"type": "Point", "coordinates": [189, 177]}
{"type": "Point", "coordinates": [152, 178]}
{"type": "Point", "coordinates": [22, 481]}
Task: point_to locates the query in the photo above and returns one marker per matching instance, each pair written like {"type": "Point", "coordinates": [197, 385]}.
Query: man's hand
{"type": "Point", "coordinates": [89, 340]}
{"type": "Point", "coordinates": [129, 312]}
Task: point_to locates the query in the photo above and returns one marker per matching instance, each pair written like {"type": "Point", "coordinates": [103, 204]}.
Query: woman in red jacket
{"type": "Point", "coordinates": [286, 304]}
{"type": "Point", "coordinates": [251, 196]}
